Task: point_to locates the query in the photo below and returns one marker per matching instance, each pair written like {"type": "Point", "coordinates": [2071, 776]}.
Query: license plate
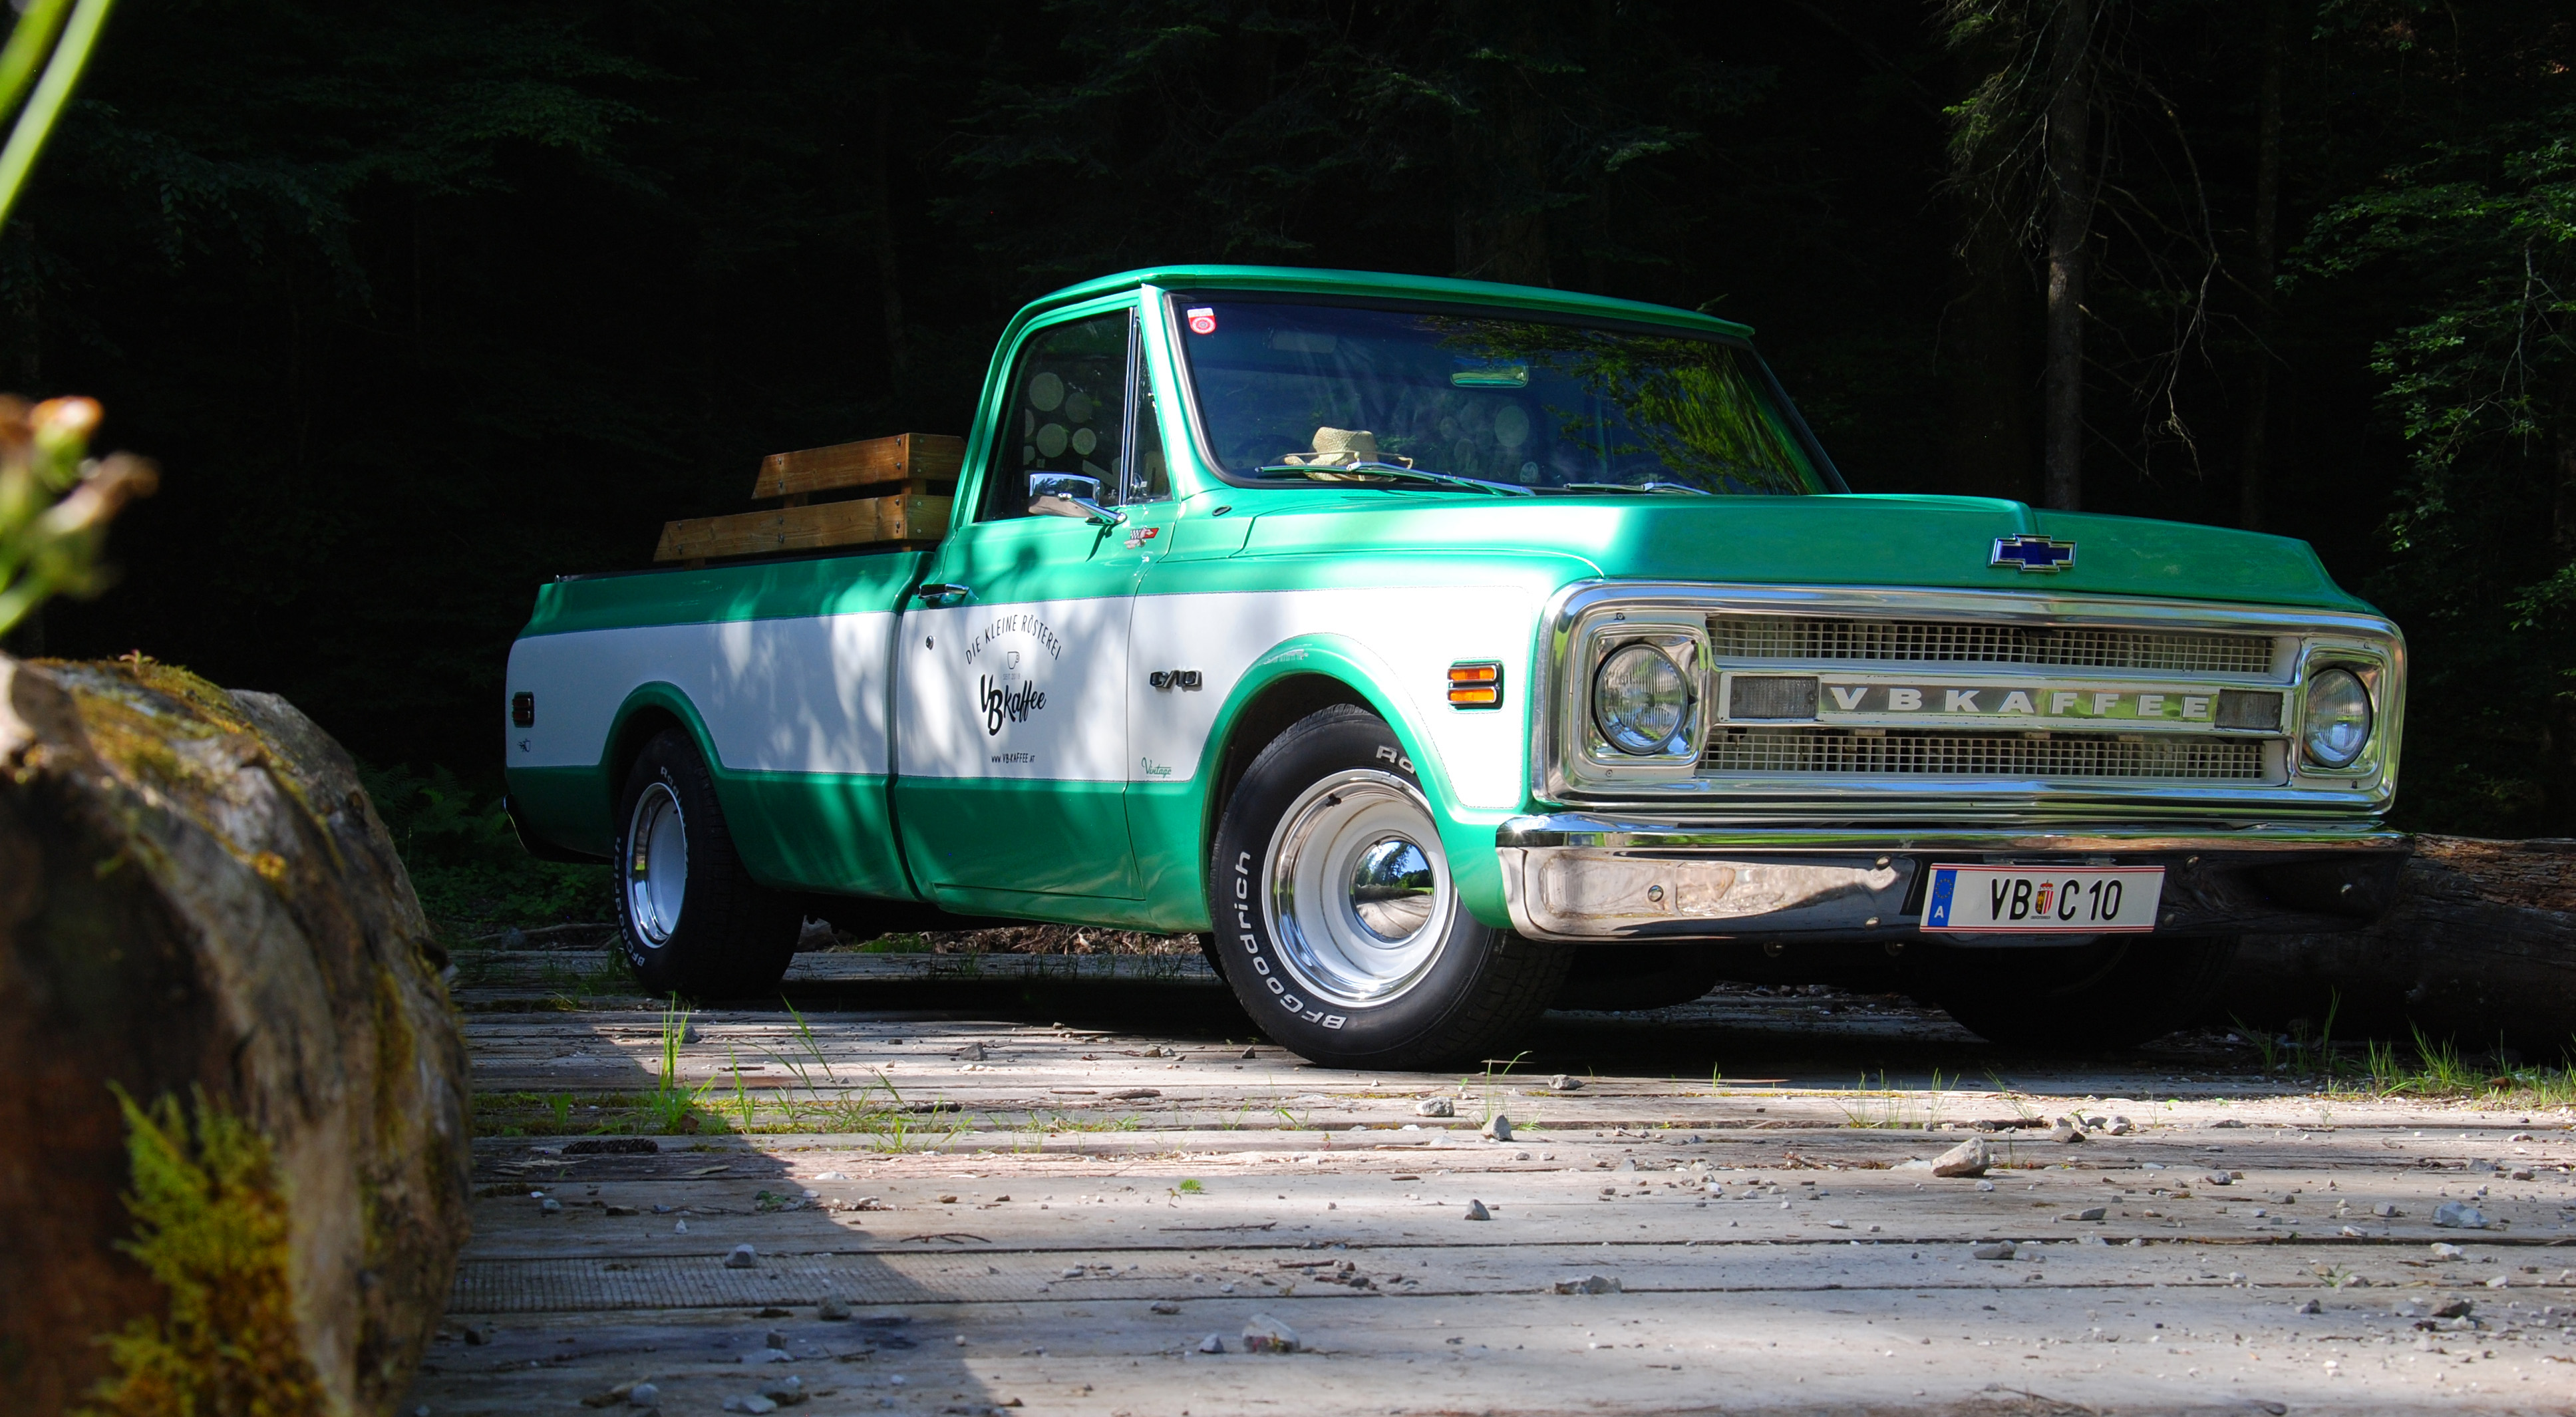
{"type": "Point", "coordinates": [2030, 900]}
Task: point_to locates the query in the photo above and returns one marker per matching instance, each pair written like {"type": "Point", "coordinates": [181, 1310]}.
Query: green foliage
{"type": "Point", "coordinates": [211, 1226]}
{"type": "Point", "coordinates": [2480, 380]}
{"type": "Point", "coordinates": [466, 862]}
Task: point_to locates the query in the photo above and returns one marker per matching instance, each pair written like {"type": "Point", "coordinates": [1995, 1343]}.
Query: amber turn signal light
{"type": "Point", "coordinates": [1478, 684]}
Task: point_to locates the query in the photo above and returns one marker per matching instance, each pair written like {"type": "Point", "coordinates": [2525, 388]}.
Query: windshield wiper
{"type": "Point", "coordinates": [1650, 488]}
{"type": "Point", "coordinates": [1390, 472]}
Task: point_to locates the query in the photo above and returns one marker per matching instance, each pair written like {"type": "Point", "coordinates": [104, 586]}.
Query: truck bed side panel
{"type": "Point", "coordinates": [790, 708]}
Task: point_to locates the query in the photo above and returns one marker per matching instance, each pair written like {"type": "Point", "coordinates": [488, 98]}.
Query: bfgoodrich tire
{"type": "Point", "coordinates": [1338, 925]}
{"type": "Point", "coordinates": [691, 919]}
{"type": "Point", "coordinates": [2117, 993]}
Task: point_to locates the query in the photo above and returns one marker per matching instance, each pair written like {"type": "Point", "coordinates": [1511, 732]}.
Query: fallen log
{"type": "Point", "coordinates": [2479, 945]}
{"type": "Point", "coordinates": [200, 909]}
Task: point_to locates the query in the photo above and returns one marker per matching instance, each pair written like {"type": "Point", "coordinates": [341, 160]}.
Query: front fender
{"type": "Point", "coordinates": [1466, 833]}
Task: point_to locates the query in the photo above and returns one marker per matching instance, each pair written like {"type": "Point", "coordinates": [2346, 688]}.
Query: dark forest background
{"type": "Point", "coordinates": [418, 305]}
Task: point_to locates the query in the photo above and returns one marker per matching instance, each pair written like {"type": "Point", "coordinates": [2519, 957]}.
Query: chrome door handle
{"type": "Point", "coordinates": [942, 594]}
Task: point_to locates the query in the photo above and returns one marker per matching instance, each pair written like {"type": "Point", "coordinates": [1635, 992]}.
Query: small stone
{"type": "Point", "coordinates": [753, 1403]}
{"type": "Point", "coordinates": [1626, 1163]}
{"type": "Point", "coordinates": [1435, 1107]}
{"type": "Point", "coordinates": [2458, 1215]}
{"type": "Point", "coordinates": [2497, 1283]}
{"type": "Point", "coordinates": [2065, 1131]}
{"type": "Point", "coordinates": [1264, 1334]}
{"type": "Point", "coordinates": [1968, 1158]}
{"type": "Point", "coordinates": [1589, 1284]}
{"type": "Point", "coordinates": [550, 1206]}
{"type": "Point", "coordinates": [2118, 1127]}
{"type": "Point", "coordinates": [971, 1053]}
{"type": "Point", "coordinates": [1993, 1250]}
{"type": "Point", "coordinates": [1985, 1185]}
{"type": "Point", "coordinates": [786, 1392]}
{"type": "Point", "coordinates": [775, 1355]}
{"type": "Point", "coordinates": [688, 1033]}
{"type": "Point", "coordinates": [2225, 1122]}
{"type": "Point", "coordinates": [2219, 1178]}
{"type": "Point", "coordinates": [1157, 1051]}
{"type": "Point", "coordinates": [2519, 1173]}
{"type": "Point", "coordinates": [2444, 1250]}
{"type": "Point", "coordinates": [2090, 1212]}
{"type": "Point", "coordinates": [833, 1309]}
{"type": "Point", "coordinates": [1072, 1271]}
{"type": "Point", "coordinates": [1476, 1211]}
{"type": "Point", "coordinates": [2453, 1309]}
{"type": "Point", "coordinates": [2351, 1232]}
{"type": "Point", "coordinates": [614, 1211]}
{"type": "Point", "coordinates": [1163, 1306]}
{"type": "Point", "coordinates": [1499, 1128]}
{"type": "Point", "coordinates": [774, 1339]}
{"type": "Point", "coordinates": [679, 1227]}
{"type": "Point", "coordinates": [1247, 1054]}
{"type": "Point", "coordinates": [1563, 1083]}
{"type": "Point", "coordinates": [1838, 1225]}
{"type": "Point", "coordinates": [2310, 1307]}
{"type": "Point", "coordinates": [1213, 1344]}
{"type": "Point", "coordinates": [2387, 1209]}
{"type": "Point", "coordinates": [643, 1395]}
{"type": "Point", "coordinates": [743, 1256]}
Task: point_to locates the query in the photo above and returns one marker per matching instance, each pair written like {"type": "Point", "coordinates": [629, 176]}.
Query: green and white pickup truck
{"type": "Point", "coordinates": [1422, 642]}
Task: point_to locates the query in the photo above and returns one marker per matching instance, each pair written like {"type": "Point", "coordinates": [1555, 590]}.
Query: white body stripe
{"type": "Point", "coordinates": [807, 695]}
{"type": "Point", "coordinates": [1059, 668]}
{"type": "Point", "coordinates": [790, 695]}
{"type": "Point", "coordinates": [1415, 633]}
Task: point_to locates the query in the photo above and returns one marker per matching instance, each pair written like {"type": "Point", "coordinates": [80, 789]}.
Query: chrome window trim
{"type": "Point", "coordinates": [2309, 639]}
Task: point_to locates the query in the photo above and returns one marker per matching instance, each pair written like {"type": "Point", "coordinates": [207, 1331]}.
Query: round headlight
{"type": "Point", "coordinates": [1639, 699]}
{"type": "Point", "coordinates": [2338, 722]}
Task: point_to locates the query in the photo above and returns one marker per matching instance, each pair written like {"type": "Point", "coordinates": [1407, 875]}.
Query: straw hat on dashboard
{"type": "Point", "coordinates": [1342, 447]}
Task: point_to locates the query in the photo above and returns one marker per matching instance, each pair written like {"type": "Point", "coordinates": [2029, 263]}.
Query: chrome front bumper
{"type": "Point", "coordinates": [1578, 877]}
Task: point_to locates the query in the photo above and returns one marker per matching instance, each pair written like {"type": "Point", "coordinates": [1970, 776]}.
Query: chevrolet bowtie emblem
{"type": "Point", "coordinates": [2033, 553]}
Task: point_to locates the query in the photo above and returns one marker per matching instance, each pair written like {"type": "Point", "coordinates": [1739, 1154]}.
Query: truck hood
{"type": "Point", "coordinates": [1933, 542]}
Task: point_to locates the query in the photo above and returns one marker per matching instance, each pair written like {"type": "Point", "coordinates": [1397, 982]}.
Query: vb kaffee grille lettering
{"type": "Point", "coordinates": [1879, 700]}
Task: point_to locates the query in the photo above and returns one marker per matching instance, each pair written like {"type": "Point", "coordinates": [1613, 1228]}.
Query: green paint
{"type": "Point", "coordinates": [1047, 838]}
{"type": "Point", "coordinates": [707, 595]}
{"type": "Point", "coordinates": [567, 806]}
{"type": "Point", "coordinates": [814, 831]}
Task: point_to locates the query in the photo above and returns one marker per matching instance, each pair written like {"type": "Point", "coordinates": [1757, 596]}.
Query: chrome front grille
{"type": "Point", "coordinates": [1813, 752]}
{"type": "Point", "coordinates": [1827, 638]}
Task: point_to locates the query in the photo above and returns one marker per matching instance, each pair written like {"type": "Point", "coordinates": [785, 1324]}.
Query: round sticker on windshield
{"type": "Point", "coordinates": [1202, 320]}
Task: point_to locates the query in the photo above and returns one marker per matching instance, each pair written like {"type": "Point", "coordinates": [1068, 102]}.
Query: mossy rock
{"type": "Point", "coordinates": [198, 903]}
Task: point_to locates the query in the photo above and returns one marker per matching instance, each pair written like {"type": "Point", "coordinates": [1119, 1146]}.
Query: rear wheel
{"type": "Point", "coordinates": [1339, 924]}
{"type": "Point", "coordinates": [691, 919]}
{"type": "Point", "coordinates": [2117, 993]}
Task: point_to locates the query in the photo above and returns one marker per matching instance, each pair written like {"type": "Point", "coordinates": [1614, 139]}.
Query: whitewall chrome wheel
{"type": "Point", "coordinates": [1359, 888]}
{"type": "Point", "coordinates": [657, 865]}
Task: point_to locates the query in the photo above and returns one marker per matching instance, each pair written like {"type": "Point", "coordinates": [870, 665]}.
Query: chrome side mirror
{"type": "Point", "coordinates": [1070, 494]}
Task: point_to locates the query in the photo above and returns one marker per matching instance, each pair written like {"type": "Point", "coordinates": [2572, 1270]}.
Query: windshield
{"type": "Point", "coordinates": [1302, 390]}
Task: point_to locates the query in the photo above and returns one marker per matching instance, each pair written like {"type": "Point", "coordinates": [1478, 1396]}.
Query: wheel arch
{"type": "Point", "coordinates": [647, 712]}
{"type": "Point", "coordinates": [1294, 679]}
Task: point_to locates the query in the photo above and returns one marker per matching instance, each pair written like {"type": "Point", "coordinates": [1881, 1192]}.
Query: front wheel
{"type": "Point", "coordinates": [691, 919]}
{"type": "Point", "coordinates": [2117, 993]}
{"type": "Point", "coordinates": [1338, 923]}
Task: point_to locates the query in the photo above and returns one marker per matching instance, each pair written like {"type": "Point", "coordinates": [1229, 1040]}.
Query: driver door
{"type": "Point", "coordinates": [1012, 697]}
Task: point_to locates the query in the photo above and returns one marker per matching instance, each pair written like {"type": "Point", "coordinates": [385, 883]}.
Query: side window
{"type": "Point", "coordinates": [1068, 412]}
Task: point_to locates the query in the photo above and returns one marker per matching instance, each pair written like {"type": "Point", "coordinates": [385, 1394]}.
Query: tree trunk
{"type": "Point", "coordinates": [2480, 943]}
{"type": "Point", "coordinates": [2070, 226]}
{"type": "Point", "coordinates": [2253, 478]}
{"type": "Point", "coordinates": [196, 900]}
{"type": "Point", "coordinates": [1985, 361]}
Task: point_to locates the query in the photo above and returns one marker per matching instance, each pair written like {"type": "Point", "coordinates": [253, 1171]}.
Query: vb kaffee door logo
{"type": "Point", "coordinates": [1009, 650]}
